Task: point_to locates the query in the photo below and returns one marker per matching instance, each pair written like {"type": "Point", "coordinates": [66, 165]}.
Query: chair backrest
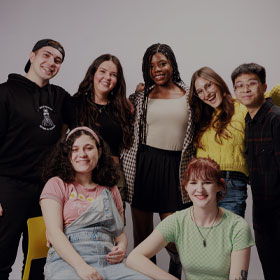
{"type": "Point", "coordinates": [37, 243]}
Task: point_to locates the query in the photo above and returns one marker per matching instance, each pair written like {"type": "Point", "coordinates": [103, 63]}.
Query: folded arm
{"type": "Point", "coordinates": [117, 253]}
{"type": "Point", "coordinates": [139, 258]}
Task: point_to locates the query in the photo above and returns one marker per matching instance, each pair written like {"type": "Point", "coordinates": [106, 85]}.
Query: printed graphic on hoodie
{"type": "Point", "coordinates": [47, 123]}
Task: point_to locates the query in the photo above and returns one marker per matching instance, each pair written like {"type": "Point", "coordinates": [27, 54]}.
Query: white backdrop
{"type": "Point", "coordinates": [219, 33]}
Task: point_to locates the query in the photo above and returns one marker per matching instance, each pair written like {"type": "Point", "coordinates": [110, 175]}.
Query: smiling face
{"type": "Point", "coordinates": [203, 192]}
{"type": "Point", "coordinates": [84, 155]}
{"type": "Point", "coordinates": [208, 92]}
{"type": "Point", "coordinates": [45, 64]}
{"type": "Point", "coordinates": [105, 79]}
{"type": "Point", "coordinates": [160, 69]}
{"type": "Point", "coordinates": [250, 91]}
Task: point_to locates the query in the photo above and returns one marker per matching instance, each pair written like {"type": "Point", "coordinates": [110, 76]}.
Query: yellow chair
{"type": "Point", "coordinates": [37, 243]}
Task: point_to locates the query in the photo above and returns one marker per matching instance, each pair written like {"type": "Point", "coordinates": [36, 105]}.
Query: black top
{"type": "Point", "coordinates": [31, 120]}
{"type": "Point", "coordinates": [106, 123]}
{"type": "Point", "coordinates": [110, 130]}
{"type": "Point", "coordinates": [262, 139]}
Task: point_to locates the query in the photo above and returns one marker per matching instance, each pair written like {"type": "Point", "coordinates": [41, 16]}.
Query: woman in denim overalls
{"type": "Point", "coordinates": [83, 221]}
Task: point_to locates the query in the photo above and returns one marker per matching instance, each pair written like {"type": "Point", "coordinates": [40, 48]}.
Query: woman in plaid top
{"type": "Point", "coordinates": [162, 145]}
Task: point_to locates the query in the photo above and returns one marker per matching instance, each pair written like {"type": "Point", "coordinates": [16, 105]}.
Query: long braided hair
{"type": "Point", "coordinates": [149, 83]}
{"type": "Point", "coordinates": [88, 111]}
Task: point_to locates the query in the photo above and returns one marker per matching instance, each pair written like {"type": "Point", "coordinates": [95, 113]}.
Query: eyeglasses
{"type": "Point", "coordinates": [252, 84]}
{"type": "Point", "coordinates": [207, 87]}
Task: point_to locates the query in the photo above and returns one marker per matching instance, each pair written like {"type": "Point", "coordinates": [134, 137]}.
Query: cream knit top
{"type": "Point", "coordinates": [167, 121]}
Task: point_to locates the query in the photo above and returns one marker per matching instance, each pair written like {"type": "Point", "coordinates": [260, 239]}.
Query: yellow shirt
{"type": "Point", "coordinates": [230, 154]}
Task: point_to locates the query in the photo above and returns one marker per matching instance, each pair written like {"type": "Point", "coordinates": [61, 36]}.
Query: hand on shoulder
{"type": "Point", "coordinates": [140, 87]}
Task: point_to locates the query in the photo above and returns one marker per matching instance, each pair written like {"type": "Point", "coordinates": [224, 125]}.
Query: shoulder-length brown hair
{"type": "Point", "coordinates": [203, 113]}
{"type": "Point", "coordinates": [205, 169]}
{"type": "Point", "coordinates": [87, 111]}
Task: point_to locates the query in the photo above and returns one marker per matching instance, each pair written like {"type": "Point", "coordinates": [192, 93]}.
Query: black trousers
{"type": "Point", "coordinates": [20, 201]}
{"type": "Point", "coordinates": [266, 223]}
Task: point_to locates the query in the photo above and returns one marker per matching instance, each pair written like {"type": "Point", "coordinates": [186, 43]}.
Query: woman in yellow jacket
{"type": "Point", "coordinates": [219, 132]}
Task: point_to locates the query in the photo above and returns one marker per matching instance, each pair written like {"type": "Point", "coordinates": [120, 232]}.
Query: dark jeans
{"type": "Point", "coordinates": [20, 201]}
{"type": "Point", "coordinates": [266, 223]}
{"type": "Point", "coordinates": [236, 195]}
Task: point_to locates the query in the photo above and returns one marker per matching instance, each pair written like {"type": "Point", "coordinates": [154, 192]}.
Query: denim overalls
{"type": "Point", "coordinates": [92, 236]}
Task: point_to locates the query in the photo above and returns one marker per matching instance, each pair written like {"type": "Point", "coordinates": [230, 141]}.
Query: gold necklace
{"type": "Point", "coordinates": [204, 238]}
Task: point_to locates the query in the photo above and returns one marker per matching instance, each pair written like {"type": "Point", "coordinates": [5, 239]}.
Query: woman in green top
{"type": "Point", "coordinates": [212, 242]}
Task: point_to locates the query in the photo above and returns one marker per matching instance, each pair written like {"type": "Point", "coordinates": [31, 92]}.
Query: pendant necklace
{"type": "Point", "coordinates": [204, 237]}
{"type": "Point", "coordinates": [101, 107]}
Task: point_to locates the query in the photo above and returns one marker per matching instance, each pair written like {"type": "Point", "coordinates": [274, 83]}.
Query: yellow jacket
{"type": "Point", "coordinates": [230, 154]}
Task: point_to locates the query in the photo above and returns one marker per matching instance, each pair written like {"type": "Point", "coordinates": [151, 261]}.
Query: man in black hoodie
{"type": "Point", "coordinates": [32, 115]}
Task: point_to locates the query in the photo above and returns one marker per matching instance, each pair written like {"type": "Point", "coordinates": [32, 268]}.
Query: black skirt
{"type": "Point", "coordinates": [157, 186]}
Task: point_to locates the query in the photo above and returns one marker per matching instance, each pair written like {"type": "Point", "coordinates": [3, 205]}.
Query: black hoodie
{"type": "Point", "coordinates": [31, 120]}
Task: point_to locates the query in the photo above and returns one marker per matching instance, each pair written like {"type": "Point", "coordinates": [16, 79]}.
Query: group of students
{"type": "Point", "coordinates": [166, 149]}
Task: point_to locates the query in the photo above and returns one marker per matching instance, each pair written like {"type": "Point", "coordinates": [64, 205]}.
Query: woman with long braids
{"type": "Point", "coordinates": [161, 148]}
{"type": "Point", "coordinates": [101, 103]}
{"type": "Point", "coordinates": [219, 122]}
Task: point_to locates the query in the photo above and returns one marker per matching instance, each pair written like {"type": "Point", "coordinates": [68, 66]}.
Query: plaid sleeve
{"type": "Point", "coordinates": [276, 139]}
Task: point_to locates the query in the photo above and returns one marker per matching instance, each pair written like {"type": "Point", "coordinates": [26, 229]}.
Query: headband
{"type": "Point", "coordinates": [86, 129]}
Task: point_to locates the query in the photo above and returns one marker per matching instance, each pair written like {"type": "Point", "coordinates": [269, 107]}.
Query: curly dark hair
{"type": "Point", "coordinates": [58, 163]}
{"type": "Point", "coordinates": [147, 58]}
{"type": "Point", "coordinates": [203, 113]}
{"type": "Point", "coordinates": [88, 112]}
